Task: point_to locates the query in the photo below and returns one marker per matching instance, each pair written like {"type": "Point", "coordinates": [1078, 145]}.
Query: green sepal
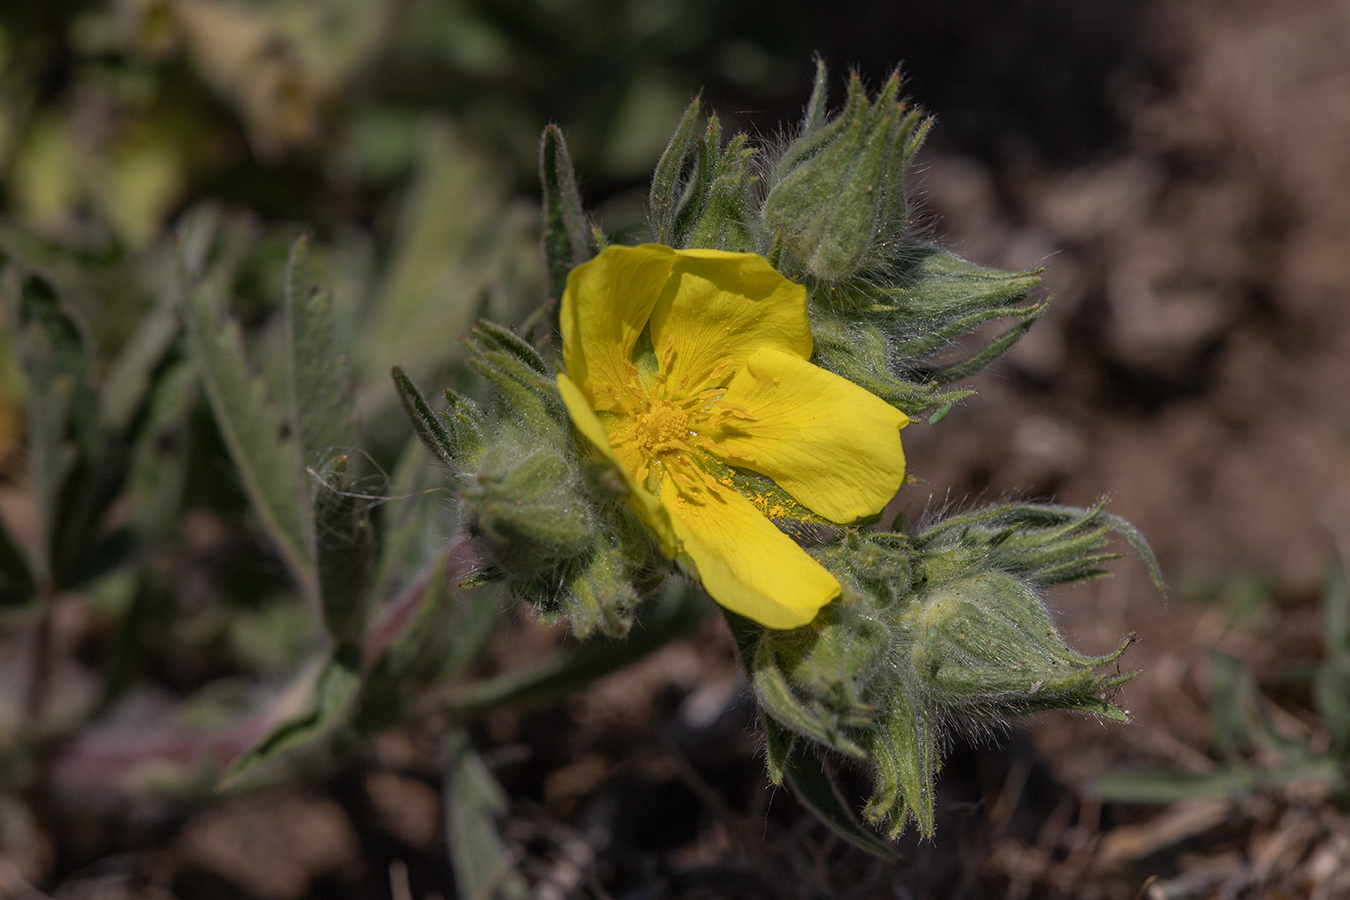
{"type": "Point", "coordinates": [1043, 542]}
{"type": "Point", "coordinates": [567, 238]}
{"type": "Point", "coordinates": [466, 423]}
{"type": "Point", "coordinates": [664, 198]}
{"type": "Point", "coordinates": [905, 761]}
{"type": "Point", "coordinates": [809, 718]}
{"type": "Point", "coordinates": [774, 502]}
{"type": "Point", "coordinates": [532, 399]}
{"type": "Point", "coordinates": [505, 340]}
{"type": "Point", "coordinates": [600, 595]}
{"type": "Point", "coordinates": [713, 209]}
{"type": "Point", "coordinates": [527, 509]}
{"type": "Point", "coordinates": [882, 333]}
{"type": "Point", "coordinates": [814, 116]}
{"type": "Point", "coordinates": [723, 201]}
{"type": "Point", "coordinates": [778, 745]}
{"type": "Point", "coordinates": [859, 352]}
{"type": "Point", "coordinates": [429, 426]}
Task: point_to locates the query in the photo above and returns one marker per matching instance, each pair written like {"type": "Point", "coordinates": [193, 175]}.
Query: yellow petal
{"type": "Point", "coordinates": [604, 309]}
{"type": "Point", "coordinates": [642, 500]}
{"type": "Point", "coordinates": [827, 442]}
{"type": "Point", "coordinates": [744, 562]}
{"type": "Point", "coordinates": [721, 307]}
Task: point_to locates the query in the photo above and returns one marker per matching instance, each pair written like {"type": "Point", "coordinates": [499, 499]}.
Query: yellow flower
{"type": "Point", "coordinates": [687, 367]}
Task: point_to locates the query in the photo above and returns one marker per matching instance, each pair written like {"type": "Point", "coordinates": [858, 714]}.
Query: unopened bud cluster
{"type": "Point", "coordinates": [939, 626]}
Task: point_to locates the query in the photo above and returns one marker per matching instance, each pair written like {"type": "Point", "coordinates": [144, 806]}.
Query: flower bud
{"type": "Point", "coordinates": [527, 510]}
{"type": "Point", "coordinates": [817, 680]}
{"type": "Point", "coordinates": [943, 624]}
{"type": "Point", "coordinates": [839, 194]}
{"type": "Point", "coordinates": [549, 525]}
{"type": "Point", "coordinates": [986, 648]}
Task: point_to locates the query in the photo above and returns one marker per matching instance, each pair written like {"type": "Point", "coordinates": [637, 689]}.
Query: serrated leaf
{"type": "Point", "coordinates": [474, 802]}
{"type": "Point", "coordinates": [811, 782]}
{"type": "Point", "coordinates": [330, 709]}
{"type": "Point", "coordinates": [261, 442]}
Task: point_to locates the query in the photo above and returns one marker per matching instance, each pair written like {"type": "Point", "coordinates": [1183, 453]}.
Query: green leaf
{"type": "Point", "coordinates": [566, 238]}
{"type": "Point", "coordinates": [426, 635]}
{"type": "Point", "coordinates": [52, 356]}
{"type": "Point", "coordinates": [660, 620]}
{"type": "Point", "coordinates": [474, 802]}
{"type": "Point", "coordinates": [134, 373]}
{"type": "Point", "coordinates": [814, 786]}
{"type": "Point", "coordinates": [318, 393]}
{"type": "Point", "coordinates": [318, 375]}
{"type": "Point", "coordinates": [329, 710]}
{"type": "Point", "coordinates": [1163, 787]}
{"type": "Point", "coordinates": [346, 550]}
{"type": "Point", "coordinates": [262, 443]}
{"type": "Point", "coordinates": [158, 468]}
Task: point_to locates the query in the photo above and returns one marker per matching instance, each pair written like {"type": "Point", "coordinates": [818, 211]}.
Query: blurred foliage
{"type": "Point", "coordinates": [114, 116]}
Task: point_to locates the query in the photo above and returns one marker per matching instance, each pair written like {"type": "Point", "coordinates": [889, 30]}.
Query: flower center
{"type": "Point", "coordinates": [663, 427]}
